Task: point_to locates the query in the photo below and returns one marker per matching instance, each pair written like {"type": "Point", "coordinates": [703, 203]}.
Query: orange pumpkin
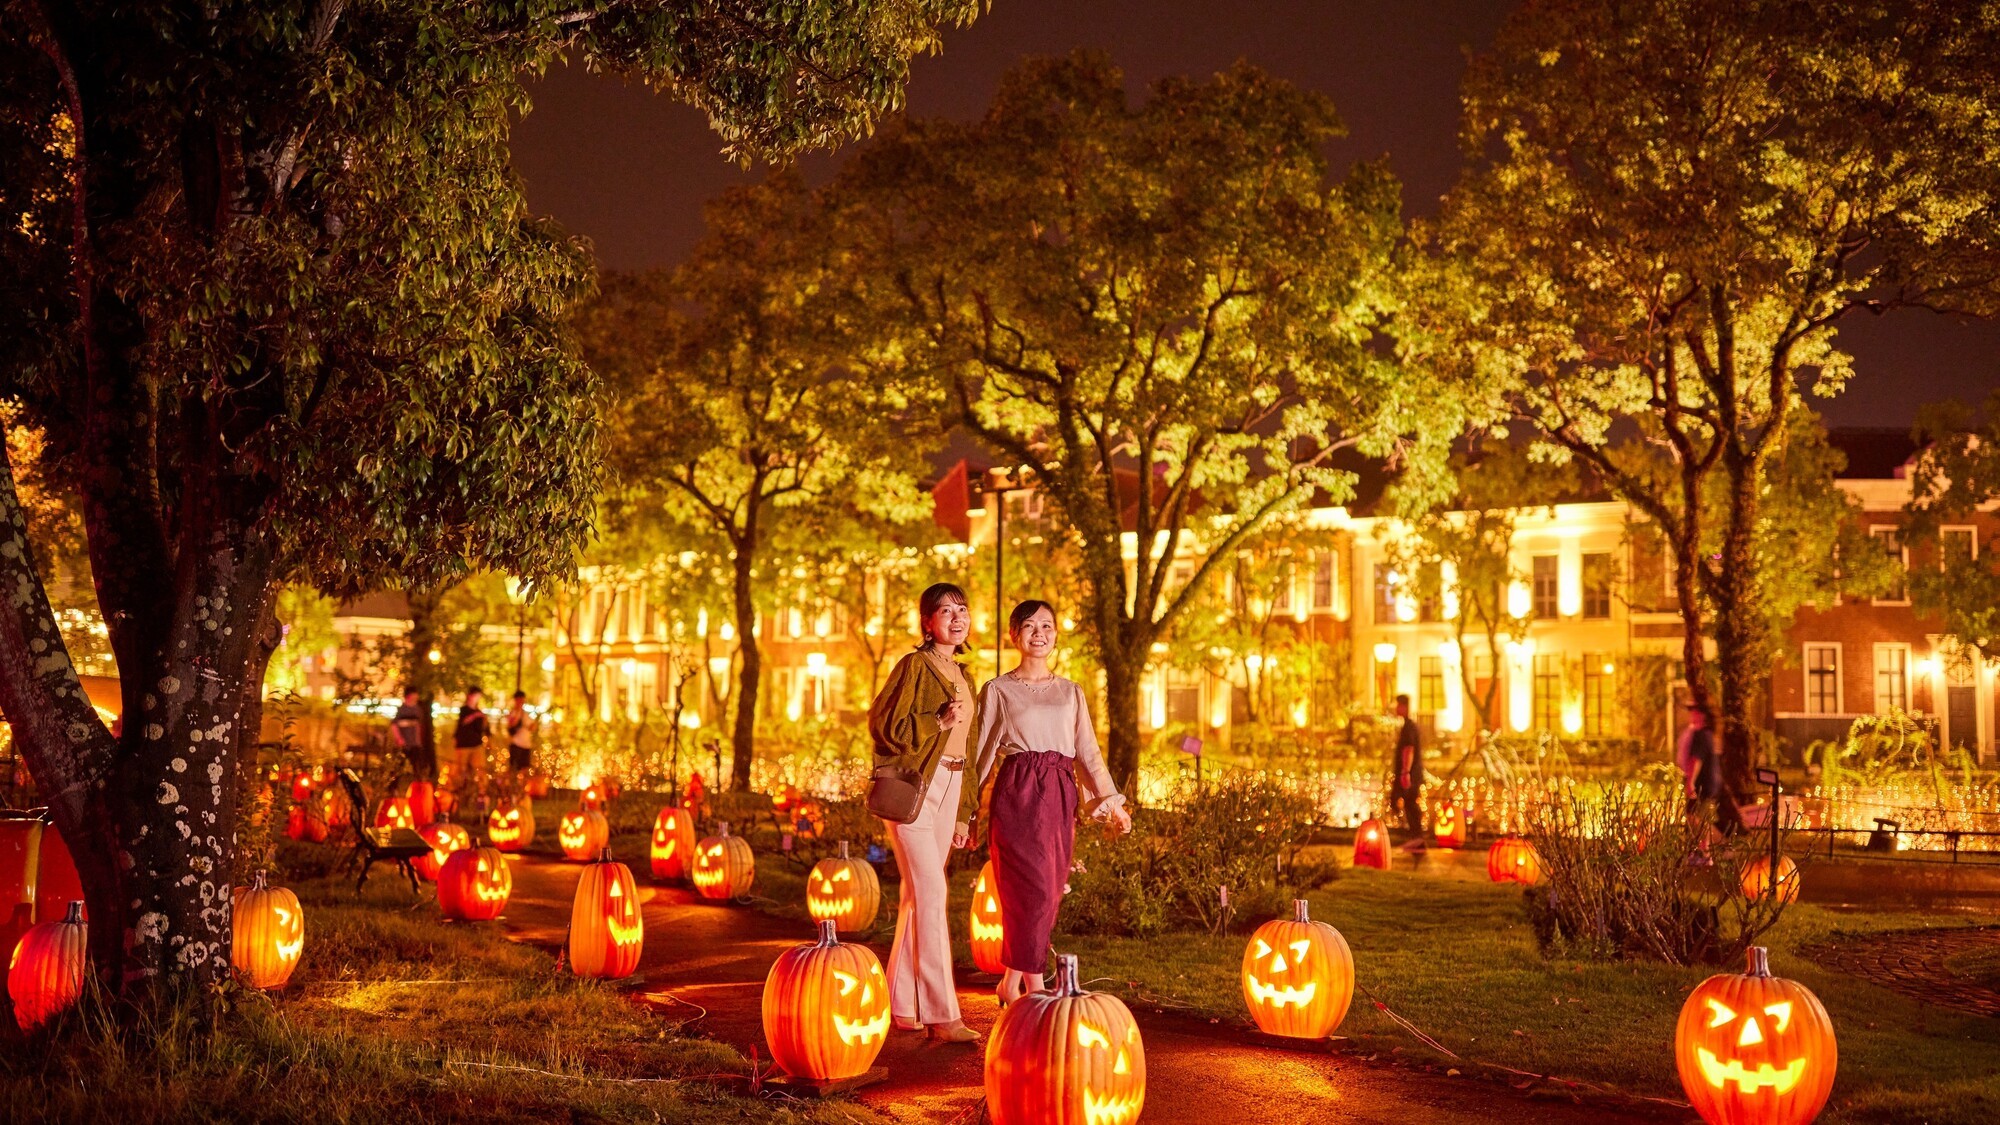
{"type": "Point", "coordinates": [335, 807]}
{"type": "Point", "coordinates": [394, 812]}
{"type": "Point", "coordinates": [592, 797]}
{"type": "Point", "coordinates": [1754, 1049]}
{"type": "Point", "coordinates": [302, 786]}
{"type": "Point", "coordinates": [1513, 860]}
{"type": "Point", "coordinates": [673, 843]}
{"type": "Point", "coordinates": [423, 802]}
{"type": "Point", "coordinates": [45, 976]}
{"type": "Point", "coordinates": [844, 891]}
{"type": "Point", "coordinates": [1371, 845]}
{"type": "Point", "coordinates": [1448, 827]}
{"type": "Point", "coordinates": [606, 930]}
{"type": "Point", "coordinates": [987, 928]}
{"type": "Point", "coordinates": [511, 827]}
{"type": "Point", "coordinates": [306, 823]}
{"type": "Point", "coordinates": [268, 935]}
{"type": "Point", "coordinates": [1298, 976]}
{"type": "Point", "coordinates": [1756, 884]}
{"type": "Point", "coordinates": [1065, 1057]}
{"type": "Point", "coordinates": [826, 1008]}
{"type": "Point", "coordinates": [583, 834]}
{"type": "Point", "coordinates": [474, 884]}
{"type": "Point", "coordinates": [444, 837]}
{"type": "Point", "coordinates": [723, 865]}
{"type": "Point", "coordinates": [20, 867]}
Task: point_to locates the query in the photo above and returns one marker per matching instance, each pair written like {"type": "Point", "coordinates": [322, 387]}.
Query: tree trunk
{"type": "Point", "coordinates": [420, 673]}
{"type": "Point", "coordinates": [743, 739]}
{"type": "Point", "coordinates": [1122, 673]}
{"type": "Point", "coordinates": [1739, 622]}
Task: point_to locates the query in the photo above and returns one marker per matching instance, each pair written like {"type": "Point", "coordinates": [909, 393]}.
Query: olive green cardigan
{"type": "Point", "coordinates": [904, 723]}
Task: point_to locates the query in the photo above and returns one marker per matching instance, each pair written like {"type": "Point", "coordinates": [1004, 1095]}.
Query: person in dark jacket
{"type": "Point", "coordinates": [1406, 774]}
{"type": "Point", "coordinates": [1701, 763]}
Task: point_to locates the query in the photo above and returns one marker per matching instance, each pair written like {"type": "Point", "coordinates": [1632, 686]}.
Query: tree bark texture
{"type": "Point", "coordinates": [749, 673]}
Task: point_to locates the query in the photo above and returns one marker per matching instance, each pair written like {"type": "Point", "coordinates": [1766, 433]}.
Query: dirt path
{"type": "Point", "coordinates": [715, 958]}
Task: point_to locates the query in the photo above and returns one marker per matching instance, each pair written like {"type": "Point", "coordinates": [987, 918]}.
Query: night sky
{"type": "Point", "coordinates": [630, 170]}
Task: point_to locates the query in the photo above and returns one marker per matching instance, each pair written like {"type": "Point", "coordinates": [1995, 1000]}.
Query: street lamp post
{"type": "Point", "coordinates": [517, 594]}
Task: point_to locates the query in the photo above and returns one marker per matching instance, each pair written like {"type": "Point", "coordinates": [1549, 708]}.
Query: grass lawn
{"type": "Point", "coordinates": [393, 1016]}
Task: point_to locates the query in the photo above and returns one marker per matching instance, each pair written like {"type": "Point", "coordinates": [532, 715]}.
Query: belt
{"type": "Point", "coordinates": [955, 765]}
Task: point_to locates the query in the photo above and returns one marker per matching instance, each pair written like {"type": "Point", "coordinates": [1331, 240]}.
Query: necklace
{"type": "Point", "coordinates": [1035, 684]}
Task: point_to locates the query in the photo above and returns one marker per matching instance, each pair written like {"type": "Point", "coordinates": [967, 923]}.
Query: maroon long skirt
{"type": "Point", "coordinates": [1034, 836]}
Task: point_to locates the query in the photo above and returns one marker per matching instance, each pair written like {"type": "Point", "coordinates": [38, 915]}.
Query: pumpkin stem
{"type": "Point", "coordinates": [829, 933]}
{"type": "Point", "coordinates": [75, 915]}
{"type": "Point", "coordinates": [257, 881]}
{"type": "Point", "coordinates": [1760, 961]}
{"type": "Point", "coordinates": [604, 854]}
{"type": "Point", "coordinates": [843, 849]}
{"type": "Point", "coordinates": [1066, 975]}
{"type": "Point", "coordinates": [1299, 913]}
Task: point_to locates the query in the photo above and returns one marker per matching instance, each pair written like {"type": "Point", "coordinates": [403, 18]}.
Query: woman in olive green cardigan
{"type": "Point", "coordinates": [922, 722]}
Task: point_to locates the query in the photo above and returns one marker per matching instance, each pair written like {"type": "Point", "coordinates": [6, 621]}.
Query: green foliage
{"type": "Point", "coordinates": [1888, 750]}
{"type": "Point", "coordinates": [1958, 475]}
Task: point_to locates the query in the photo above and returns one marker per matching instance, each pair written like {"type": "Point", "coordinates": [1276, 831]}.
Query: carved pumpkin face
{"type": "Point", "coordinates": [394, 812]}
{"type": "Point", "coordinates": [1298, 976]}
{"type": "Point", "coordinates": [1449, 827]}
{"type": "Point", "coordinates": [1756, 883]}
{"type": "Point", "coordinates": [1513, 860]}
{"type": "Point", "coordinates": [987, 928]}
{"type": "Point", "coordinates": [511, 827]}
{"type": "Point", "coordinates": [444, 839]}
{"type": "Point", "coordinates": [673, 844]}
{"type": "Point", "coordinates": [606, 930]}
{"type": "Point", "coordinates": [1371, 845]}
{"type": "Point", "coordinates": [1065, 1056]}
{"type": "Point", "coordinates": [843, 891]}
{"type": "Point", "coordinates": [723, 866]}
{"type": "Point", "coordinates": [1755, 1048]}
{"type": "Point", "coordinates": [583, 834]}
{"type": "Point", "coordinates": [268, 934]}
{"type": "Point", "coordinates": [826, 1008]}
{"type": "Point", "coordinates": [474, 885]}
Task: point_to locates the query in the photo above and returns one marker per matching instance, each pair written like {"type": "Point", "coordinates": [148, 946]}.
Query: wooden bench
{"type": "Point", "coordinates": [378, 845]}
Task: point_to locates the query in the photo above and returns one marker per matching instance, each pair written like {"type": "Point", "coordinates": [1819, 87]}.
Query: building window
{"type": "Point", "coordinates": [1892, 678]}
{"type": "Point", "coordinates": [1385, 593]}
{"type": "Point", "coordinates": [1430, 685]}
{"type": "Point", "coordinates": [1823, 679]}
{"type": "Point", "coordinates": [1546, 586]}
{"type": "Point", "coordinates": [1891, 541]}
{"type": "Point", "coordinates": [1323, 576]}
{"type": "Point", "coordinates": [1597, 672]}
{"type": "Point", "coordinates": [1548, 691]}
{"type": "Point", "coordinates": [1183, 697]}
{"type": "Point", "coordinates": [1430, 593]}
{"type": "Point", "coordinates": [1957, 545]}
{"type": "Point", "coordinates": [1597, 585]}
{"type": "Point", "coordinates": [1385, 684]}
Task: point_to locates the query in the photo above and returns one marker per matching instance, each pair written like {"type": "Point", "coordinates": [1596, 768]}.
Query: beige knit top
{"type": "Point", "coordinates": [1044, 715]}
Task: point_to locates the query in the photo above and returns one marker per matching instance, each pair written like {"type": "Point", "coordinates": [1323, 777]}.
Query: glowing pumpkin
{"type": "Point", "coordinates": [1513, 860]}
{"type": "Point", "coordinates": [723, 865]}
{"type": "Point", "coordinates": [1756, 882]}
{"type": "Point", "coordinates": [826, 1008]}
{"type": "Point", "coordinates": [307, 824]}
{"type": "Point", "coordinates": [606, 931]}
{"type": "Point", "coordinates": [20, 864]}
{"type": "Point", "coordinates": [394, 812]}
{"type": "Point", "coordinates": [302, 786]}
{"type": "Point", "coordinates": [1754, 1049]}
{"type": "Point", "coordinates": [269, 934]}
{"type": "Point", "coordinates": [1065, 1057]}
{"type": "Point", "coordinates": [335, 807]}
{"type": "Point", "coordinates": [673, 843]}
{"type": "Point", "coordinates": [1448, 829]}
{"type": "Point", "coordinates": [986, 923]}
{"type": "Point", "coordinates": [511, 827]}
{"type": "Point", "coordinates": [583, 834]}
{"type": "Point", "coordinates": [808, 819]}
{"type": "Point", "coordinates": [1298, 976]}
{"type": "Point", "coordinates": [1371, 845]}
{"type": "Point", "coordinates": [46, 973]}
{"type": "Point", "coordinates": [474, 885]}
{"type": "Point", "coordinates": [444, 838]}
{"type": "Point", "coordinates": [423, 802]}
{"type": "Point", "coordinates": [843, 891]}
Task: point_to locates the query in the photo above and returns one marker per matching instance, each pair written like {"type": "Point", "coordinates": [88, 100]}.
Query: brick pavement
{"type": "Point", "coordinates": [1912, 962]}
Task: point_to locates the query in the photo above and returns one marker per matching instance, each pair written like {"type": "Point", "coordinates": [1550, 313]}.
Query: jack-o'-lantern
{"type": "Point", "coordinates": [1448, 828]}
{"type": "Point", "coordinates": [1754, 1049]}
{"type": "Point", "coordinates": [269, 933]}
{"type": "Point", "coordinates": [1756, 883]}
{"type": "Point", "coordinates": [606, 931]}
{"type": "Point", "coordinates": [1298, 976]}
{"type": "Point", "coordinates": [394, 812]}
{"type": "Point", "coordinates": [444, 837]}
{"type": "Point", "coordinates": [474, 885]}
{"type": "Point", "coordinates": [723, 865]}
{"type": "Point", "coordinates": [306, 823]}
{"type": "Point", "coordinates": [844, 891]}
{"type": "Point", "coordinates": [583, 834]}
{"type": "Point", "coordinates": [423, 802]}
{"type": "Point", "coordinates": [45, 975]}
{"type": "Point", "coordinates": [592, 797]}
{"type": "Point", "coordinates": [808, 819]}
{"type": "Point", "coordinates": [1513, 860]}
{"type": "Point", "coordinates": [986, 929]}
{"type": "Point", "coordinates": [335, 806]}
{"type": "Point", "coordinates": [302, 786]}
{"type": "Point", "coordinates": [511, 826]}
{"type": "Point", "coordinates": [1065, 1057]}
{"type": "Point", "coordinates": [1371, 845]}
{"type": "Point", "coordinates": [826, 1008]}
{"type": "Point", "coordinates": [673, 843]}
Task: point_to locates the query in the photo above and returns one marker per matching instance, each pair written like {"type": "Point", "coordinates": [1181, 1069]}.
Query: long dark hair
{"type": "Point", "coordinates": [1024, 610]}
{"type": "Point", "coordinates": [935, 595]}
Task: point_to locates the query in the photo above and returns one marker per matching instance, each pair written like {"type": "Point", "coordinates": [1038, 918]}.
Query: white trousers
{"type": "Point", "coordinates": [921, 989]}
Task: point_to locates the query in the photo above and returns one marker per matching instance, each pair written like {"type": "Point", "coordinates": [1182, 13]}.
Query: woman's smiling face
{"type": "Point", "coordinates": [948, 624]}
{"type": "Point", "coordinates": [1037, 635]}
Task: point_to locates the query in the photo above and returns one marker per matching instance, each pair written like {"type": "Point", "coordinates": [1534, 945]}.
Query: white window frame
{"type": "Point", "coordinates": [1971, 530]}
{"type": "Point", "coordinates": [1839, 677]}
{"type": "Point", "coordinates": [1875, 682]}
{"type": "Point", "coordinates": [1875, 531]}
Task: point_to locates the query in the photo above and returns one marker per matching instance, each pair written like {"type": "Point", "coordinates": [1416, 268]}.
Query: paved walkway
{"type": "Point", "coordinates": [706, 963]}
{"type": "Point", "coordinates": [1912, 962]}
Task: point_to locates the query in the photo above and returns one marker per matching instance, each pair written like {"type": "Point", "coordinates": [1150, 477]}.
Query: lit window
{"type": "Point", "coordinates": [1823, 679]}
{"type": "Point", "coordinates": [1546, 587]}
{"type": "Point", "coordinates": [1892, 678]}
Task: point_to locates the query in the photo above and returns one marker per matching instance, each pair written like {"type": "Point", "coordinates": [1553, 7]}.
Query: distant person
{"type": "Point", "coordinates": [407, 729]}
{"type": "Point", "coordinates": [1406, 781]}
{"type": "Point", "coordinates": [1701, 766]}
{"type": "Point", "coordinates": [520, 735]}
{"type": "Point", "coordinates": [468, 741]}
